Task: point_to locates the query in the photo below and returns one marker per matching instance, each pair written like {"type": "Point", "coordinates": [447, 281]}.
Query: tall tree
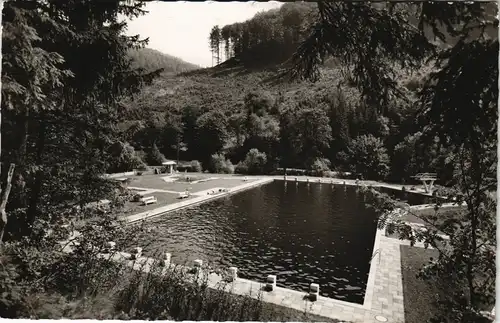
{"type": "Point", "coordinates": [226, 36]}
{"type": "Point", "coordinates": [66, 129]}
{"type": "Point", "coordinates": [315, 133]}
{"type": "Point", "coordinates": [215, 41]}
{"type": "Point", "coordinates": [211, 135]}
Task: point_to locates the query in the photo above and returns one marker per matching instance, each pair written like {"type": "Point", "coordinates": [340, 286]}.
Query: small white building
{"type": "Point", "coordinates": [169, 164]}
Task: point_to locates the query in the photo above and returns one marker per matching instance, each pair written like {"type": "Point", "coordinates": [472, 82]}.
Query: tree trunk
{"type": "Point", "coordinates": [3, 201]}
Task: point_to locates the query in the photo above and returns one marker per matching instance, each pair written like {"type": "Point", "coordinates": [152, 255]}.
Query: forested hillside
{"type": "Point", "coordinates": [268, 38]}
{"type": "Point", "coordinates": [247, 107]}
{"type": "Point", "coordinates": [151, 60]}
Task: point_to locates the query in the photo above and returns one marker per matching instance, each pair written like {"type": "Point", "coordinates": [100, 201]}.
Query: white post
{"type": "Point", "coordinates": [166, 261]}
{"type": "Point", "coordinates": [233, 274]}
{"type": "Point", "coordinates": [313, 292]}
{"type": "Point", "coordinates": [271, 282]}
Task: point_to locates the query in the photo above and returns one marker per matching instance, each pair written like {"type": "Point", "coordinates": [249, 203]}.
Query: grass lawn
{"type": "Point", "coordinates": [163, 199]}
{"type": "Point", "coordinates": [442, 214]}
{"type": "Point", "coordinates": [277, 313]}
{"type": "Point", "coordinates": [418, 294]}
{"type": "Point", "coordinates": [156, 182]}
{"type": "Point", "coordinates": [189, 178]}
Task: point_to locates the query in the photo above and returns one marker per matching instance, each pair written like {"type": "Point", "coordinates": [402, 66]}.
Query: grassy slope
{"type": "Point", "coordinates": [225, 89]}
{"type": "Point", "coordinates": [151, 59]}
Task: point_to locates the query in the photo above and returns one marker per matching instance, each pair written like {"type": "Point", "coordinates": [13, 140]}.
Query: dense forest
{"type": "Point", "coordinates": [269, 37]}
{"type": "Point", "coordinates": [396, 89]}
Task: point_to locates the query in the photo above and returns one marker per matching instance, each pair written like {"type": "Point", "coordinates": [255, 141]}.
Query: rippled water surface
{"type": "Point", "coordinates": [302, 233]}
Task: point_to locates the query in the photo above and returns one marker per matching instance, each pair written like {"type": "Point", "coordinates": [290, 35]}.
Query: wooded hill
{"type": "Point", "coordinates": [269, 37]}
{"type": "Point", "coordinates": [242, 105]}
{"type": "Point", "coordinates": [151, 60]}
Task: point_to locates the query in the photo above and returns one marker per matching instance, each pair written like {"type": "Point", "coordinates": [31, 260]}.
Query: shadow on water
{"type": "Point", "coordinates": [301, 232]}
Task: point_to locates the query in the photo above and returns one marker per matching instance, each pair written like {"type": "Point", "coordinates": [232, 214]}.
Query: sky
{"type": "Point", "coordinates": [181, 28]}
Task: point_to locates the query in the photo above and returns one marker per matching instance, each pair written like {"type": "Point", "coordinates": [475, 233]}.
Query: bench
{"type": "Point", "coordinates": [148, 200]}
{"type": "Point", "coordinates": [183, 195]}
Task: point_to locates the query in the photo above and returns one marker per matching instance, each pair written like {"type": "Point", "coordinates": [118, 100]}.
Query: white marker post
{"type": "Point", "coordinates": [233, 274]}
{"type": "Point", "coordinates": [313, 292]}
{"type": "Point", "coordinates": [271, 282]}
{"type": "Point", "coordinates": [166, 261]}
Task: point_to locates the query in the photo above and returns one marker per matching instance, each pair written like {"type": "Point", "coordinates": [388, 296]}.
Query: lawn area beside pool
{"type": "Point", "coordinates": [419, 295]}
{"type": "Point", "coordinates": [442, 214]}
{"type": "Point", "coordinates": [162, 197]}
{"type": "Point", "coordinates": [156, 182]}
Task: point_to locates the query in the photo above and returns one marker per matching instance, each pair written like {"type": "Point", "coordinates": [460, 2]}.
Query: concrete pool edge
{"type": "Point", "coordinates": [370, 284]}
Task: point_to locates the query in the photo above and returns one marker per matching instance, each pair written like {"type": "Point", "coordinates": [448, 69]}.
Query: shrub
{"type": "Point", "coordinates": [368, 157]}
{"type": "Point", "coordinates": [254, 163]}
{"type": "Point", "coordinates": [241, 168]}
{"type": "Point", "coordinates": [124, 158]}
{"type": "Point", "coordinates": [196, 166]}
{"type": "Point", "coordinates": [142, 167]}
{"type": "Point", "coordinates": [155, 157]}
{"type": "Point", "coordinates": [220, 165]}
{"type": "Point", "coordinates": [320, 166]}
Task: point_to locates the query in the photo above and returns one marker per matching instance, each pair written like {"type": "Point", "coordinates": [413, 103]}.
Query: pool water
{"type": "Point", "coordinates": [301, 232]}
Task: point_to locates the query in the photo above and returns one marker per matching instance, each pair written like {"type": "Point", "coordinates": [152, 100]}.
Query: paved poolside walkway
{"type": "Point", "coordinates": [384, 295]}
